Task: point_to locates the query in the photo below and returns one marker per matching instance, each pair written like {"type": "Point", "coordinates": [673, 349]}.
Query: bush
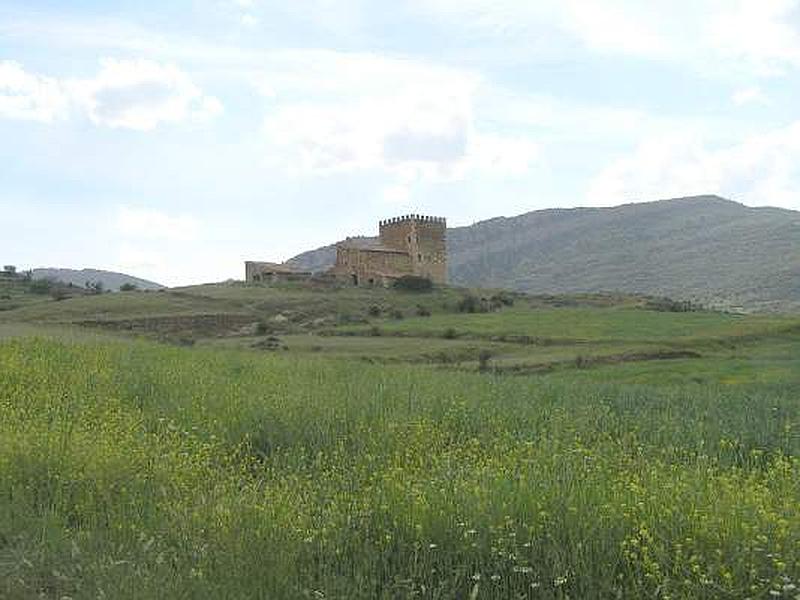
{"type": "Point", "coordinates": [501, 299]}
{"type": "Point", "coordinates": [413, 283]}
{"type": "Point", "coordinates": [262, 328]}
{"type": "Point", "coordinates": [670, 305]}
{"type": "Point", "coordinates": [398, 314]}
{"type": "Point", "coordinates": [41, 286]}
{"type": "Point", "coordinates": [423, 311]}
{"type": "Point", "coordinates": [483, 360]}
{"type": "Point", "coordinates": [58, 294]}
{"type": "Point", "coordinates": [374, 311]}
{"type": "Point", "coordinates": [95, 287]}
{"type": "Point", "coordinates": [450, 334]}
{"type": "Point", "coordinates": [128, 287]}
{"type": "Point", "coordinates": [472, 304]}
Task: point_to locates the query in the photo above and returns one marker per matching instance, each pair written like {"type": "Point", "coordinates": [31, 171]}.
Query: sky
{"type": "Point", "coordinates": [174, 140]}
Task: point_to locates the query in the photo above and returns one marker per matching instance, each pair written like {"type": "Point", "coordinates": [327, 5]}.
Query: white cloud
{"type": "Point", "coordinates": [27, 96]}
{"type": "Point", "coordinates": [716, 37]}
{"type": "Point", "coordinates": [759, 32]}
{"type": "Point", "coordinates": [750, 95]}
{"type": "Point", "coordinates": [141, 94]}
{"type": "Point", "coordinates": [760, 170]}
{"type": "Point", "coordinates": [132, 94]}
{"type": "Point", "coordinates": [615, 27]}
{"type": "Point", "coordinates": [145, 223]}
{"type": "Point", "coordinates": [411, 119]}
{"type": "Point", "coordinates": [249, 20]}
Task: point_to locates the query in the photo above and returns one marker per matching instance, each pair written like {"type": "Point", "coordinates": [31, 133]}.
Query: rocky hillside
{"type": "Point", "coordinates": [703, 248]}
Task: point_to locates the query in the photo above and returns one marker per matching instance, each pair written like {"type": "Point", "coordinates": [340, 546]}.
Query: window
{"type": "Point", "coordinates": [419, 257]}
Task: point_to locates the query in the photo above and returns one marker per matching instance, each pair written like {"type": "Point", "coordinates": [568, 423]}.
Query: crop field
{"type": "Point", "coordinates": [596, 449]}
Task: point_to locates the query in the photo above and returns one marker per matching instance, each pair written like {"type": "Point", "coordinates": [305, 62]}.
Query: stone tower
{"type": "Point", "coordinates": [424, 239]}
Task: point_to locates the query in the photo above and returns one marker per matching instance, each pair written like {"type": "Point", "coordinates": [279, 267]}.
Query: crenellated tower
{"type": "Point", "coordinates": [424, 239]}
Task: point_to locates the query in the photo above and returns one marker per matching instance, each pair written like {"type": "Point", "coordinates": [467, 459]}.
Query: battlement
{"type": "Point", "coordinates": [414, 218]}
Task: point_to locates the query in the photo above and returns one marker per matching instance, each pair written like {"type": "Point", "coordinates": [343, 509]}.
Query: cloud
{"type": "Point", "coordinates": [131, 94]}
{"type": "Point", "coordinates": [714, 37]}
{"type": "Point", "coordinates": [145, 223]}
{"type": "Point", "coordinates": [760, 33]}
{"type": "Point", "coordinates": [409, 118]}
{"type": "Point", "coordinates": [26, 96]}
{"type": "Point", "coordinates": [142, 94]}
{"type": "Point", "coordinates": [750, 95]}
{"type": "Point", "coordinates": [248, 20]}
{"type": "Point", "coordinates": [759, 170]}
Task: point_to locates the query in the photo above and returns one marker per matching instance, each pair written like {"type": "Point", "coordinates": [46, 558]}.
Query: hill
{"type": "Point", "coordinates": [109, 279]}
{"type": "Point", "coordinates": [704, 248]}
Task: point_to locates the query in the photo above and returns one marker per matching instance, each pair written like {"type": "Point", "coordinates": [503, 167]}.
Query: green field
{"type": "Point", "coordinates": [189, 444]}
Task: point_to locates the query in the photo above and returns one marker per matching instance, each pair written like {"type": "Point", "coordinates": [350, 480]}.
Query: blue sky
{"type": "Point", "coordinates": [175, 140]}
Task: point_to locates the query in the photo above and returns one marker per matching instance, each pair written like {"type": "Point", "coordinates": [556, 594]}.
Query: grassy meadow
{"type": "Point", "coordinates": [595, 450]}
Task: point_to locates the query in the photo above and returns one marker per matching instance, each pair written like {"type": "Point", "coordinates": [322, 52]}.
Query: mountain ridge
{"type": "Point", "coordinates": [706, 249]}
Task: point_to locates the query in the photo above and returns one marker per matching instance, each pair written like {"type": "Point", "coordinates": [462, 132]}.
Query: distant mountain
{"type": "Point", "coordinates": [110, 280]}
{"type": "Point", "coordinates": [704, 248]}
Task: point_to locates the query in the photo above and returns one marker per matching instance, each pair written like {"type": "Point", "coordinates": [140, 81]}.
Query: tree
{"type": "Point", "coordinates": [128, 287]}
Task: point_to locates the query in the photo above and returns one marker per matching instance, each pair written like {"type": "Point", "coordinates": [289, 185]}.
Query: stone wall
{"type": "Point", "coordinates": [369, 267]}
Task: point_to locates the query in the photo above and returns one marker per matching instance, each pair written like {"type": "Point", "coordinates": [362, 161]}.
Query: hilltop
{"type": "Point", "coordinates": [704, 248]}
{"type": "Point", "coordinates": [110, 279]}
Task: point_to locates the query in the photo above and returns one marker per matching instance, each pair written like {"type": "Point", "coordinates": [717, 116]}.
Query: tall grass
{"type": "Point", "coordinates": [140, 471]}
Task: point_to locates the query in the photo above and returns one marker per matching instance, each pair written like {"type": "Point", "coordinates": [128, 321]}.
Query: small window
{"type": "Point", "coordinates": [419, 257]}
{"type": "Point", "coordinates": [409, 239]}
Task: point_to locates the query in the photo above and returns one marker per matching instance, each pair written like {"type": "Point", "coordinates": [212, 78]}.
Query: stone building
{"type": "Point", "coordinates": [409, 245]}
{"type": "Point", "coordinates": [267, 272]}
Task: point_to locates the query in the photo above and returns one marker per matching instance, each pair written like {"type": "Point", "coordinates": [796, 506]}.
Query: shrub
{"type": "Point", "coordinates": [484, 356]}
{"type": "Point", "coordinates": [472, 304]}
{"type": "Point", "coordinates": [374, 311]}
{"type": "Point", "coordinates": [450, 334]}
{"type": "Point", "coordinates": [375, 331]}
{"type": "Point", "coordinates": [397, 314]}
{"type": "Point", "coordinates": [423, 311]}
{"type": "Point", "coordinates": [501, 299]}
{"type": "Point", "coordinates": [262, 328]}
{"type": "Point", "coordinates": [413, 283]}
{"type": "Point", "coordinates": [670, 305]}
{"type": "Point", "coordinates": [128, 287]}
{"type": "Point", "coordinates": [41, 286]}
{"type": "Point", "coordinates": [95, 287]}
{"type": "Point", "coordinates": [58, 294]}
